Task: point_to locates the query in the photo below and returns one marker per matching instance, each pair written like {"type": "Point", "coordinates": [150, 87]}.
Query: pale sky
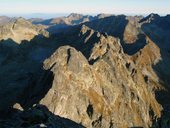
{"type": "Point", "coordinates": [85, 6]}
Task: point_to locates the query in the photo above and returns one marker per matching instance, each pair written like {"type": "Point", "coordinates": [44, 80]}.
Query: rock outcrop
{"type": "Point", "coordinates": [110, 92]}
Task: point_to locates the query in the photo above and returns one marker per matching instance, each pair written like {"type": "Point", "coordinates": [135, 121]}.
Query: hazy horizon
{"type": "Point", "coordinates": [55, 15]}
{"type": "Point", "coordinates": [63, 8]}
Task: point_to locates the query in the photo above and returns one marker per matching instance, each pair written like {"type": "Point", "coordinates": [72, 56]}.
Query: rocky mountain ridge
{"type": "Point", "coordinates": [110, 96]}
{"type": "Point", "coordinates": [72, 19]}
{"type": "Point", "coordinates": [20, 29]}
{"type": "Point", "coordinates": [109, 72]}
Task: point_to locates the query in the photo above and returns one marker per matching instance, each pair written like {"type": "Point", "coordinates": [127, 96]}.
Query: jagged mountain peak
{"type": "Point", "coordinates": [149, 18]}
{"type": "Point", "coordinates": [153, 15]}
{"type": "Point", "coordinates": [103, 15]}
{"type": "Point", "coordinates": [20, 21]}
{"type": "Point", "coordinates": [74, 15]}
{"type": "Point", "coordinates": [107, 79]}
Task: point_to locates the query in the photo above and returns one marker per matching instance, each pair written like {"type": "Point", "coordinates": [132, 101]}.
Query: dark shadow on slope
{"type": "Point", "coordinates": [161, 68]}
{"type": "Point", "coordinates": [133, 48]}
{"type": "Point", "coordinates": [19, 75]}
{"type": "Point", "coordinates": [43, 22]}
{"type": "Point", "coordinates": [27, 87]}
{"type": "Point", "coordinates": [74, 38]}
{"type": "Point", "coordinates": [112, 25]}
{"type": "Point", "coordinates": [37, 116]}
{"type": "Point", "coordinates": [23, 79]}
{"type": "Point", "coordinates": [37, 89]}
{"type": "Point", "coordinates": [158, 31]}
{"type": "Point", "coordinates": [115, 26]}
{"type": "Point", "coordinates": [57, 28]}
{"type": "Point", "coordinates": [7, 47]}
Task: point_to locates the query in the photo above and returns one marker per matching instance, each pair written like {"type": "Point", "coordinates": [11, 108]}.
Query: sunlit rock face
{"type": "Point", "coordinates": [104, 90]}
{"type": "Point", "coordinates": [19, 29]}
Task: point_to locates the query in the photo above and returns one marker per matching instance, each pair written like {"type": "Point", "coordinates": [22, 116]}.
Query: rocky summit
{"type": "Point", "coordinates": [102, 71]}
{"type": "Point", "coordinates": [100, 94]}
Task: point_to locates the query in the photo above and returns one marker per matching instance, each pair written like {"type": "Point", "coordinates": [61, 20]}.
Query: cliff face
{"type": "Point", "coordinates": [109, 91]}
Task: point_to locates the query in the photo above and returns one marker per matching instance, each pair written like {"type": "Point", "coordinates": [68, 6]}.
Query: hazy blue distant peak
{"type": "Point", "coordinates": [37, 15]}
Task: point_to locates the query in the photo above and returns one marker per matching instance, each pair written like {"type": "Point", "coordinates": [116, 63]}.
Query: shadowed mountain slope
{"type": "Point", "coordinates": [87, 75]}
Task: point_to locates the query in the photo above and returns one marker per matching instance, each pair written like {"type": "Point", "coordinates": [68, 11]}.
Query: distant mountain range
{"type": "Point", "coordinates": [72, 19]}
{"type": "Point", "coordinates": [85, 71]}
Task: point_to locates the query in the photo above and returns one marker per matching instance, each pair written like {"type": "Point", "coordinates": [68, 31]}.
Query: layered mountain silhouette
{"type": "Point", "coordinates": [72, 19]}
{"type": "Point", "coordinates": [85, 71]}
{"type": "Point", "coordinates": [57, 24]}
